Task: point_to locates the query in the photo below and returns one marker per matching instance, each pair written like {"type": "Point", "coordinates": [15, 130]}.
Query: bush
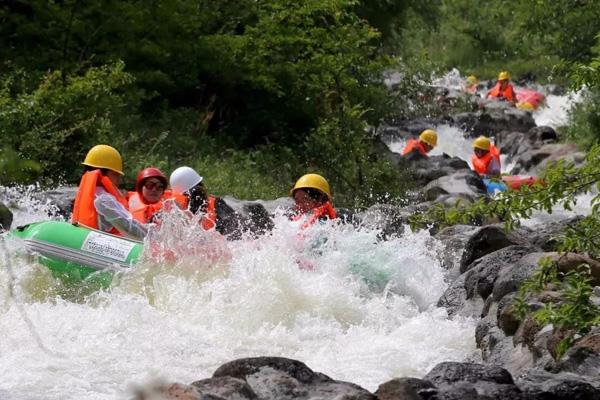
{"type": "Point", "coordinates": [56, 123]}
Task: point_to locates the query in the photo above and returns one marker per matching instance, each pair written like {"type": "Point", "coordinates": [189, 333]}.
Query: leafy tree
{"type": "Point", "coordinates": [56, 124]}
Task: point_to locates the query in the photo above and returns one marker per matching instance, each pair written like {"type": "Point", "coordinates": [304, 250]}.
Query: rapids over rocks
{"type": "Point", "coordinates": [401, 315]}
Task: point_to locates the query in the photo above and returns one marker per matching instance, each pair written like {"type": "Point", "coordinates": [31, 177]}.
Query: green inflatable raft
{"type": "Point", "coordinates": [76, 253]}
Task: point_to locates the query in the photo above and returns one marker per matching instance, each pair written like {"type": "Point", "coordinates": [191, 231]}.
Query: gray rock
{"type": "Point", "coordinates": [507, 320]}
{"type": "Point", "coordinates": [226, 387]}
{"type": "Point", "coordinates": [405, 389]}
{"type": "Point", "coordinates": [281, 378]}
{"type": "Point", "coordinates": [510, 279]}
{"type": "Point", "coordinates": [243, 367]}
{"type": "Point", "coordinates": [6, 217]}
{"type": "Point", "coordinates": [464, 244]}
{"type": "Point", "coordinates": [451, 372]}
{"type": "Point", "coordinates": [463, 182]}
{"type": "Point", "coordinates": [560, 389]}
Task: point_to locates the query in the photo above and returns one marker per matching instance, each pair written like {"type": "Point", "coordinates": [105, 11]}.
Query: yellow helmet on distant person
{"type": "Point", "coordinates": [312, 181]}
{"type": "Point", "coordinates": [526, 106]}
{"type": "Point", "coordinates": [504, 75]}
{"type": "Point", "coordinates": [104, 156]}
{"type": "Point", "coordinates": [429, 136]}
{"type": "Point", "coordinates": [472, 80]}
{"type": "Point", "coordinates": [482, 143]}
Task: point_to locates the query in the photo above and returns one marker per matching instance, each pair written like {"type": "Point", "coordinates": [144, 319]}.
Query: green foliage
{"type": "Point", "coordinates": [522, 36]}
{"type": "Point", "coordinates": [57, 122]}
{"type": "Point", "coordinates": [574, 314]}
{"type": "Point", "coordinates": [14, 169]}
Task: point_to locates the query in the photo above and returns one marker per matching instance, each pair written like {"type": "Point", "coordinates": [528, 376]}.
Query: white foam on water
{"type": "Point", "coordinates": [334, 297]}
{"type": "Point", "coordinates": [555, 110]}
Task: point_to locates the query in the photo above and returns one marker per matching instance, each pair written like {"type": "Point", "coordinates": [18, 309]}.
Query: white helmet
{"type": "Point", "coordinates": [183, 179]}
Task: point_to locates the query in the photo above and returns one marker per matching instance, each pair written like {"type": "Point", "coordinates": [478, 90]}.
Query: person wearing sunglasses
{"type": "Point", "coordinates": [98, 202]}
{"type": "Point", "coordinates": [190, 194]}
{"type": "Point", "coordinates": [313, 200]}
{"type": "Point", "coordinates": [147, 200]}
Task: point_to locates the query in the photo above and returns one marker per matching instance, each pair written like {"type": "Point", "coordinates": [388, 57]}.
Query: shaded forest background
{"type": "Point", "coordinates": [254, 93]}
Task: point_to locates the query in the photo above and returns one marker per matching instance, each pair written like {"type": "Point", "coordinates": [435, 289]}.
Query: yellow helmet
{"type": "Point", "coordinates": [103, 156]}
{"type": "Point", "coordinates": [472, 80]}
{"type": "Point", "coordinates": [312, 181]}
{"type": "Point", "coordinates": [504, 75]}
{"type": "Point", "coordinates": [429, 136]}
{"type": "Point", "coordinates": [482, 143]}
{"type": "Point", "coordinates": [526, 106]}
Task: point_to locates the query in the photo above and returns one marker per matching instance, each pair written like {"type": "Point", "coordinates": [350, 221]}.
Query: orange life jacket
{"type": "Point", "coordinates": [412, 145]}
{"type": "Point", "coordinates": [84, 211]}
{"type": "Point", "coordinates": [508, 93]}
{"type": "Point", "coordinates": [481, 164]}
{"type": "Point", "coordinates": [324, 211]}
{"type": "Point", "coordinates": [209, 220]}
{"type": "Point", "coordinates": [141, 210]}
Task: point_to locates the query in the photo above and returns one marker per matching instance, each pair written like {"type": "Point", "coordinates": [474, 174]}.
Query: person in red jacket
{"type": "Point", "coordinates": [486, 157]}
{"type": "Point", "coordinates": [312, 198]}
{"type": "Point", "coordinates": [503, 90]}
{"type": "Point", "coordinates": [426, 142]}
{"type": "Point", "coordinates": [98, 202]}
{"type": "Point", "coordinates": [149, 194]}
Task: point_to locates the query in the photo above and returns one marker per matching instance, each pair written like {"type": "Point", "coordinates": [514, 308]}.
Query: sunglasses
{"type": "Point", "coordinates": [154, 185]}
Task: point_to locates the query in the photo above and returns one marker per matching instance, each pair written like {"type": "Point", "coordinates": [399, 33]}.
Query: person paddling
{"type": "Point", "coordinates": [503, 90]}
{"type": "Point", "coordinates": [98, 203]}
{"type": "Point", "coordinates": [313, 200]}
{"type": "Point", "coordinates": [486, 157]}
{"type": "Point", "coordinates": [190, 193]}
{"type": "Point", "coordinates": [147, 200]}
{"type": "Point", "coordinates": [426, 142]}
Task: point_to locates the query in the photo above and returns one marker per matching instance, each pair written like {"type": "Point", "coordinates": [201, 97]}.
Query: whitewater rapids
{"type": "Point", "coordinates": [340, 300]}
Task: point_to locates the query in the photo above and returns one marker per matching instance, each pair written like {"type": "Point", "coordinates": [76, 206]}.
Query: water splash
{"type": "Point", "coordinates": [335, 297]}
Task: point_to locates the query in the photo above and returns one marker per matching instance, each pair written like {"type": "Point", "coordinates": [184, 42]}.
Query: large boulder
{"type": "Point", "coordinates": [463, 182]}
{"type": "Point", "coordinates": [277, 378]}
{"type": "Point", "coordinates": [499, 116]}
{"type": "Point", "coordinates": [6, 217]}
{"type": "Point", "coordinates": [467, 294]}
{"type": "Point", "coordinates": [430, 168]}
{"type": "Point", "coordinates": [463, 244]}
{"type": "Point", "coordinates": [533, 162]}
{"type": "Point", "coordinates": [405, 389]}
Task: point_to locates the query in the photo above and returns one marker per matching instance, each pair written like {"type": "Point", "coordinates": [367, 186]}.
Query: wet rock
{"type": "Point", "coordinates": [533, 162]}
{"type": "Point", "coordinates": [498, 116]}
{"type": "Point", "coordinates": [541, 386]}
{"type": "Point", "coordinates": [464, 182]}
{"type": "Point", "coordinates": [281, 378]}
{"type": "Point", "coordinates": [463, 244]}
{"type": "Point", "coordinates": [175, 391]}
{"type": "Point", "coordinates": [6, 217]}
{"type": "Point", "coordinates": [546, 236]}
{"type": "Point", "coordinates": [451, 372]}
{"type": "Point", "coordinates": [466, 294]}
{"type": "Point", "coordinates": [583, 358]}
{"type": "Point", "coordinates": [244, 367]}
{"type": "Point", "coordinates": [510, 279]}
{"type": "Point", "coordinates": [507, 320]}
{"type": "Point", "coordinates": [405, 389]}
{"type": "Point", "coordinates": [573, 262]}
{"type": "Point", "coordinates": [428, 169]}
{"type": "Point", "coordinates": [226, 387]}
